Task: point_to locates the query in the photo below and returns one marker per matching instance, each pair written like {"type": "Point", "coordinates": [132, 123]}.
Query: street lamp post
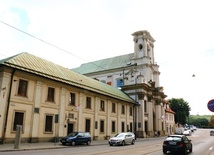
{"type": "Point", "coordinates": [136, 103]}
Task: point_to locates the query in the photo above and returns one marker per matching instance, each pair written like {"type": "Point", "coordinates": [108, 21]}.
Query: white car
{"type": "Point", "coordinates": [122, 139]}
{"type": "Point", "coordinates": [187, 132]}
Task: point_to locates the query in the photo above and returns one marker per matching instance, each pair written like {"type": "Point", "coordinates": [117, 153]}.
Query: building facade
{"type": "Point", "coordinates": [137, 74]}
{"type": "Point", "coordinates": [169, 118]}
{"type": "Point", "coordinates": [50, 101]}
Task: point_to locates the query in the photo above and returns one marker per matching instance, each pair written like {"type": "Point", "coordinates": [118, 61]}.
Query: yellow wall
{"type": "Point", "coordinates": [34, 123]}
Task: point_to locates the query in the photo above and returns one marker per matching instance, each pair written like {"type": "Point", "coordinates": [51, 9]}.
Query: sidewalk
{"type": "Point", "coordinates": [50, 145]}
{"type": "Point", "coordinates": [44, 145]}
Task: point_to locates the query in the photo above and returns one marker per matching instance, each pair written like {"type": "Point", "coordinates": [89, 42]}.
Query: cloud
{"type": "Point", "coordinates": [89, 30]}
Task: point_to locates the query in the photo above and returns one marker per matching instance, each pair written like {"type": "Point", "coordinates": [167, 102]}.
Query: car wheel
{"type": "Point", "coordinates": [185, 151]}
{"type": "Point", "coordinates": [133, 141]}
{"type": "Point", "coordinates": [73, 143]}
{"type": "Point", "coordinates": [89, 142]}
{"type": "Point", "coordinates": [63, 143]}
{"type": "Point", "coordinates": [164, 152]}
{"type": "Point", "coordinates": [110, 144]}
{"type": "Point", "coordinates": [190, 150]}
{"type": "Point", "coordinates": [123, 143]}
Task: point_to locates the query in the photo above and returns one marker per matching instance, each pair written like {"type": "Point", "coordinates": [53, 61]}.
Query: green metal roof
{"type": "Point", "coordinates": [105, 64]}
{"type": "Point", "coordinates": [33, 64]}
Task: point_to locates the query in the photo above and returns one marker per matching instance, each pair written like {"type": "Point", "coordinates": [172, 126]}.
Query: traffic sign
{"type": "Point", "coordinates": [210, 105]}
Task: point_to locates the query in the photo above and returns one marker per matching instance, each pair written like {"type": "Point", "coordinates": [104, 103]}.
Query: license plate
{"type": "Point", "coordinates": [172, 143]}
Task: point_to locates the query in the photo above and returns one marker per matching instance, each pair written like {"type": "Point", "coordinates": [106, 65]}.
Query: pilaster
{"type": "Point", "coordinates": [96, 131]}
{"type": "Point", "coordinates": [108, 132]}
{"type": "Point", "coordinates": [80, 112]}
{"type": "Point", "coordinates": [4, 91]}
{"type": "Point", "coordinates": [158, 117]}
{"type": "Point", "coordinates": [35, 118]}
{"type": "Point", "coordinates": [62, 112]}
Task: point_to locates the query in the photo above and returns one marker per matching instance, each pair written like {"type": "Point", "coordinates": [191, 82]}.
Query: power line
{"type": "Point", "coordinates": [47, 43]}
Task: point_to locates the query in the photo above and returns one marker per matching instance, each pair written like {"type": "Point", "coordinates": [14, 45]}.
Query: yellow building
{"type": "Point", "coordinates": [169, 118]}
{"type": "Point", "coordinates": [50, 101]}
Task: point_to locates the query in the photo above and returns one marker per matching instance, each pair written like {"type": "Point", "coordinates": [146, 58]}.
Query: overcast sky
{"type": "Point", "coordinates": [72, 32]}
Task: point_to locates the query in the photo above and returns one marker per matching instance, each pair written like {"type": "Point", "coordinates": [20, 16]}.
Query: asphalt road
{"type": "Point", "coordinates": [203, 144]}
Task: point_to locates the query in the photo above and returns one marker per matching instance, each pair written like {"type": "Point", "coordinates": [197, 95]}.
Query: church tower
{"type": "Point", "coordinates": [144, 56]}
{"type": "Point", "coordinates": [143, 46]}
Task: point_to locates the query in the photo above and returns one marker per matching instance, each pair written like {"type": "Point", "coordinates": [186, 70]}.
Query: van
{"type": "Point", "coordinates": [76, 138]}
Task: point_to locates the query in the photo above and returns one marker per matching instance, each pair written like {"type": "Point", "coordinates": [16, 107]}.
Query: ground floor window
{"type": "Point", "coordinates": [123, 127]}
{"type": "Point", "coordinates": [113, 126]}
{"type": "Point", "coordinates": [131, 127]}
{"type": "Point", "coordinates": [49, 123]}
{"type": "Point", "coordinates": [87, 125]}
{"type": "Point", "coordinates": [18, 120]}
{"type": "Point", "coordinates": [102, 126]}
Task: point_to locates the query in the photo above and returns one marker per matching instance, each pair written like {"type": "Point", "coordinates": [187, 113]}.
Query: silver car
{"type": "Point", "coordinates": [122, 138]}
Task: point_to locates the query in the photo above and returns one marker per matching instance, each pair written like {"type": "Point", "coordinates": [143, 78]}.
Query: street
{"type": "Point", "coordinates": [203, 143]}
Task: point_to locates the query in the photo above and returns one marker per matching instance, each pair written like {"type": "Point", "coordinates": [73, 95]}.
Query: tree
{"type": "Point", "coordinates": [199, 121]}
{"type": "Point", "coordinates": [181, 109]}
{"type": "Point", "coordinates": [211, 123]}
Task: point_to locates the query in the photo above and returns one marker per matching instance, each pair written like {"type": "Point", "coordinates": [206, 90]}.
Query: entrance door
{"type": "Point", "coordinates": [70, 128]}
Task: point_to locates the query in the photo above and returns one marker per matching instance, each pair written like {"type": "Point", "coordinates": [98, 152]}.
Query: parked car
{"type": "Point", "coordinates": [122, 139]}
{"type": "Point", "coordinates": [76, 138]}
{"type": "Point", "coordinates": [191, 128]}
{"type": "Point", "coordinates": [212, 132]}
{"type": "Point", "coordinates": [179, 130]}
{"type": "Point", "coordinates": [187, 132]}
{"type": "Point", "coordinates": [194, 127]}
{"type": "Point", "coordinates": [177, 143]}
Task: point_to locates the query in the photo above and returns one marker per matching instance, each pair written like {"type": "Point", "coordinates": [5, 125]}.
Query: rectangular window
{"type": "Point", "coordinates": [102, 105]}
{"type": "Point", "coordinates": [109, 83]}
{"type": "Point", "coordinates": [72, 99]}
{"type": "Point", "coordinates": [113, 126]}
{"type": "Point", "coordinates": [103, 81]}
{"type": "Point", "coordinates": [49, 123]}
{"type": "Point", "coordinates": [87, 125]}
{"type": "Point", "coordinates": [88, 103]}
{"type": "Point", "coordinates": [145, 108]}
{"type": "Point", "coordinates": [123, 127]}
{"type": "Point", "coordinates": [123, 109]}
{"type": "Point", "coordinates": [119, 83]}
{"type": "Point", "coordinates": [71, 115]}
{"type": "Point", "coordinates": [18, 120]}
{"type": "Point", "coordinates": [22, 89]}
{"type": "Point", "coordinates": [50, 96]}
{"type": "Point", "coordinates": [130, 111]}
{"type": "Point", "coordinates": [102, 126]}
{"type": "Point", "coordinates": [113, 108]}
{"type": "Point", "coordinates": [131, 127]}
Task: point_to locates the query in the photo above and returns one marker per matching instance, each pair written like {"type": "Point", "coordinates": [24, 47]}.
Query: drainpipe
{"type": "Point", "coordinates": [8, 105]}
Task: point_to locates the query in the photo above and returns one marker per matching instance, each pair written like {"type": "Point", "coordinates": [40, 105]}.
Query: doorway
{"type": "Point", "coordinates": [70, 128]}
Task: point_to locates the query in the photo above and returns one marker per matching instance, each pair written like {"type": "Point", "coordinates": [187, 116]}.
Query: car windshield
{"type": "Point", "coordinates": [177, 139]}
{"type": "Point", "coordinates": [73, 134]}
{"type": "Point", "coordinates": [119, 135]}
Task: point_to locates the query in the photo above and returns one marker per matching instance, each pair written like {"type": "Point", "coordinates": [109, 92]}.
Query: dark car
{"type": "Point", "coordinates": [76, 138]}
{"type": "Point", "coordinates": [212, 132]}
{"type": "Point", "coordinates": [177, 143]}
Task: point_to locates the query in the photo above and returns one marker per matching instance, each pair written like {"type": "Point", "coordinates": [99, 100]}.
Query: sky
{"type": "Point", "coordinates": [72, 32]}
